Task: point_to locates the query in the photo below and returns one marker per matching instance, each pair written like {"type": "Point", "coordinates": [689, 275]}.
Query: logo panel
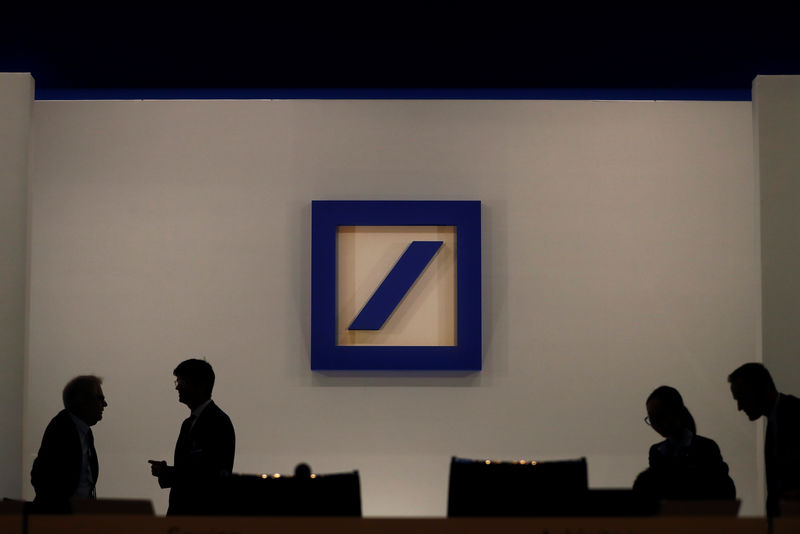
{"type": "Point", "coordinates": [396, 285]}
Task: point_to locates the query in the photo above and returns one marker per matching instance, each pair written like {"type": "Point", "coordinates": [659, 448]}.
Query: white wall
{"type": "Point", "coordinates": [620, 253]}
{"type": "Point", "coordinates": [776, 102]}
{"type": "Point", "coordinates": [16, 96]}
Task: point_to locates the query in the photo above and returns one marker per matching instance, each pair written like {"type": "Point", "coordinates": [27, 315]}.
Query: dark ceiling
{"type": "Point", "coordinates": [402, 45]}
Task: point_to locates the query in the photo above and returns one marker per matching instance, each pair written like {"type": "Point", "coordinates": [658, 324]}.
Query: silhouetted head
{"type": "Point", "coordinates": [302, 471]}
{"type": "Point", "coordinates": [83, 397]}
{"type": "Point", "coordinates": [753, 390]}
{"type": "Point", "coordinates": [667, 414]}
{"type": "Point", "coordinates": [194, 380]}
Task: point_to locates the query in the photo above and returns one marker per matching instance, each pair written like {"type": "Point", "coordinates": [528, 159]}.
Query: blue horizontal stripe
{"type": "Point", "coordinates": [396, 94]}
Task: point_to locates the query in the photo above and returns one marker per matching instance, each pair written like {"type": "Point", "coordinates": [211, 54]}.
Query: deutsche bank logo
{"type": "Point", "coordinates": [396, 285]}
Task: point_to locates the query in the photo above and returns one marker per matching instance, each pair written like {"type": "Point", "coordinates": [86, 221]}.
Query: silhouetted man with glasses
{"type": "Point", "coordinates": [205, 448]}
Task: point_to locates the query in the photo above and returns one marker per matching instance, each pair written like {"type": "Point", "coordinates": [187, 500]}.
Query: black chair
{"type": "Point", "coordinates": [500, 488]}
{"type": "Point", "coordinates": [304, 494]}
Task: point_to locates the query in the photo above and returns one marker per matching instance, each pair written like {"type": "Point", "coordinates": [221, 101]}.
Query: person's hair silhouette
{"type": "Point", "coordinates": [667, 414]}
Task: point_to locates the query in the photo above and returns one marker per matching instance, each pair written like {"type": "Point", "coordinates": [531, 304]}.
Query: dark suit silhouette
{"type": "Point", "coordinates": [203, 456]}
{"type": "Point", "coordinates": [696, 472]}
{"type": "Point", "coordinates": [57, 469]}
{"type": "Point", "coordinates": [782, 452]}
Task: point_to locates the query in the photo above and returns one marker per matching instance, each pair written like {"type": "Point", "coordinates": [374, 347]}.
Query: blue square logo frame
{"type": "Point", "coordinates": [327, 216]}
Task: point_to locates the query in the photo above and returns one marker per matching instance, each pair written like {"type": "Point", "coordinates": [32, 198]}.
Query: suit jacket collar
{"type": "Point", "coordinates": [199, 410]}
{"type": "Point", "coordinates": [80, 424]}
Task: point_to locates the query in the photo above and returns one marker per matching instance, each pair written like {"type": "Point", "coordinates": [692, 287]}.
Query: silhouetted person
{"type": "Point", "coordinates": [66, 466]}
{"type": "Point", "coordinates": [684, 466]}
{"type": "Point", "coordinates": [755, 394]}
{"type": "Point", "coordinates": [205, 448]}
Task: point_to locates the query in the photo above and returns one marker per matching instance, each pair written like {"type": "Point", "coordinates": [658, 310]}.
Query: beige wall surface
{"type": "Point", "coordinates": [776, 103]}
{"type": "Point", "coordinates": [16, 103]}
{"type": "Point", "coordinates": [619, 254]}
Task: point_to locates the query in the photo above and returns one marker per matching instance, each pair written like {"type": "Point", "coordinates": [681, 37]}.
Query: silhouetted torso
{"type": "Point", "coordinates": [56, 473]}
{"type": "Point", "coordinates": [689, 469]}
{"type": "Point", "coordinates": [782, 451]}
{"type": "Point", "coordinates": [204, 453]}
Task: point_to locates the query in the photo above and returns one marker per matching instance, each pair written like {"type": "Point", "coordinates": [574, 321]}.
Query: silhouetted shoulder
{"type": "Point", "coordinates": [792, 402]}
{"type": "Point", "coordinates": [56, 469]}
{"type": "Point", "coordinates": [707, 446]}
{"type": "Point", "coordinates": [214, 416]}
